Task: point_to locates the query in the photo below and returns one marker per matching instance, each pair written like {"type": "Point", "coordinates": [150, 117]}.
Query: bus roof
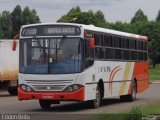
{"type": "Point", "coordinates": [96, 29]}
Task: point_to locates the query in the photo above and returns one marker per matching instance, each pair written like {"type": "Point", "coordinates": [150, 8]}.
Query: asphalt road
{"type": "Point", "coordinates": [10, 104]}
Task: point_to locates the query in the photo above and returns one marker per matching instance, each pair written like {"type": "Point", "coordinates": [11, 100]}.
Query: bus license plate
{"type": "Point", "coordinates": [47, 96]}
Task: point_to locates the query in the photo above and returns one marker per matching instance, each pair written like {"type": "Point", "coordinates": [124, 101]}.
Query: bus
{"type": "Point", "coordinates": [76, 62]}
{"type": "Point", "coordinates": [9, 58]}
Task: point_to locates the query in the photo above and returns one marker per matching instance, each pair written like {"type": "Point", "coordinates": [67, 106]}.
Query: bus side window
{"type": "Point", "coordinates": [89, 54]}
{"type": "Point", "coordinates": [125, 43]}
{"type": "Point", "coordinates": [117, 42]}
{"type": "Point", "coordinates": [109, 53]}
{"type": "Point", "coordinates": [140, 45]}
{"type": "Point", "coordinates": [108, 42]}
{"type": "Point", "coordinates": [98, 39]}
{"type": "Point", "coordinates": [145, 46]}
{"type": "Point", "coordinates": [140, 56]}
{"type": "Point", "coordinates": [117, 54]}
{"type": "Point", "coordinates": [133, 44]}
{"type": "Point", "coordinates": [126, 55]}
{"type": "Point", "coordinates": [99, 53]}
{"type": "Point", "coordinates": [145, 56]}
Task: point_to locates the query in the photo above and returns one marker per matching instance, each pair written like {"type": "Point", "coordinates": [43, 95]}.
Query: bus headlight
{"type": "Point", "coordinates": [72, 88]}
{"type": "Point", "coordinates": [26, 88]}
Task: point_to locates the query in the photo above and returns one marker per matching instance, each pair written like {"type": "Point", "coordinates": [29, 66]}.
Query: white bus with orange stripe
{"type": "Point", "coordinates": [64, 61]}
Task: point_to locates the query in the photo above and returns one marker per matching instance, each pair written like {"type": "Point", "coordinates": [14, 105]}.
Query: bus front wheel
{"type": "Point", "coordinates": [97, 102]}
{"type": "Point", "coordinates": [45, 104]}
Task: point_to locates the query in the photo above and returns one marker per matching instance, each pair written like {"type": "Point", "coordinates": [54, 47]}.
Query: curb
{"type": "Point", "coordinates": [154, 82]}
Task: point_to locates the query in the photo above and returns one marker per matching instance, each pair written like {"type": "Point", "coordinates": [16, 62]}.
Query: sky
{"type": "Point", "coordinates": [114, 10]}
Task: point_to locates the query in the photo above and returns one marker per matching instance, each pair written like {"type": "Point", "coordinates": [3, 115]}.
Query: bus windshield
{"type": "Point", "coordinates": [50, 56]}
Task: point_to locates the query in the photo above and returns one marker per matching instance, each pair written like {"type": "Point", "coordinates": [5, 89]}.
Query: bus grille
{"type": "Point", "coordinates": [49, 85]}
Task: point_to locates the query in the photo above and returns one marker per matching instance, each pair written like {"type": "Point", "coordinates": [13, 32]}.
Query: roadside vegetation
{"type": "Point", "coordinates": [154, 74]}
{"type": "Point", "coordinates": [10, 23]}
{"type": "Point", "coordinates": [136, 113]}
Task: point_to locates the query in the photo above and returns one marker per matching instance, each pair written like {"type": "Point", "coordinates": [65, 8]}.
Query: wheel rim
{"type": "Point", "coordinates": [134, 93]}
{"type": "Point", "coordinates": [98, 97]}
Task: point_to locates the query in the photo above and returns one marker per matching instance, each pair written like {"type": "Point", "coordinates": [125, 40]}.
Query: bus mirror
{"type": "Point", "coordinates": [14, 46]}
{"type": "Point", "coordinates": [91, 43]}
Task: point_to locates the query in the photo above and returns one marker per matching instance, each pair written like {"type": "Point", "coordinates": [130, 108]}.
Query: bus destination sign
{"type": "Point", "coordinates": [61, 30]}
{"type": "Point", "coordinates": [50, 30]}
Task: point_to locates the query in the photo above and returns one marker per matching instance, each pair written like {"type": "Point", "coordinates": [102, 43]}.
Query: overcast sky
{"type": "Point", "coordinates": [114, 10]}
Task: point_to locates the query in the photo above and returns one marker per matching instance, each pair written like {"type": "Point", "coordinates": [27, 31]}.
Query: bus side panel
{"type": "Point", "coordinates": [141, 74]}
{"type": "Point", "coordinates": [127, 78]}
{"type": "Point", "coordinates": [111, 73]}
{"type": "Point", "coordinates": [90, 83]}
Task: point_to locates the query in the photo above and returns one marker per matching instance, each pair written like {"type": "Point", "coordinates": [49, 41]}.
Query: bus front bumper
{"type": "Point", "coordinates": [61, 96]}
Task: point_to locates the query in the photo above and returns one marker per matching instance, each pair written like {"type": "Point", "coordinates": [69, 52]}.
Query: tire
{"type": "Point", "coordinates": [132, 96]}
{"type": "Point", "coordinates": [45, 104]}
{"type": "Point", "coordinates": [12, 91]}
{"type": "Point", "coordinates": [98, 101]}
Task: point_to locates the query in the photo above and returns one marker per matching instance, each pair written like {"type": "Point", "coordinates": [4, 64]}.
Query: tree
{"type": "Point", "coordinates": [86, 18]}
{"type": "Point", "coordinates": [151, 29]}
{"type": "Point", "coordinates": [139, 17]}
{"type": "Point", "coordinates": [26, 16]}
{"type": "Point", "coordinates": [154, 52]}
{"type": "Point", "coordinates": [78, 9]}
{"type": "Point", "coordinates": [35, 17]}
{"type": "Point", "coordinates": [76, 16]}
{"type": "Point", "coordinates": [1, 31]}
{"type": "Point", "coordinates": [100, 19]}
{"type": "Point", "coordinates": [71, 16]}
{"type": "Point", "coordinates": [10, 23]}
{"type": "Point", "coordinates": [6, 25]}
{"type": "Point", "coordinates": [154, 48]}
{"type": "Point", "coordinates": [29, 16]}
{"type": "Point", "coordinates": [100, 16]}
{"type": "Point", "coordinates": [17, 20]}
{"type": "Point", "coordinates": [158, 17]}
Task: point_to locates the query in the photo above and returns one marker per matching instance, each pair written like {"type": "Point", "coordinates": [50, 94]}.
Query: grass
{"type": "Point", "coordinates": [151, 109]}
{"type": "Point", "coordinates": [154, 74]}
{"type": "Point", "coordinates": [135, 113]}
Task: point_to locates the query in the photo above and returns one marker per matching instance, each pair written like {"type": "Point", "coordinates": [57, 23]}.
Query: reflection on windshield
{"type": "Point", "coordinates": [55, 56]}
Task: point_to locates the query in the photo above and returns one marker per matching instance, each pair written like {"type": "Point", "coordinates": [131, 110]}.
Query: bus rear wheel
{"type": "Point", "coordinates": [45, 104]}
{"type": "Point", "coordinates": [132, 96]}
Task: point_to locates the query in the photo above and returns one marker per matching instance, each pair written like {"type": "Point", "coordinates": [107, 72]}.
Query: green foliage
{"type": "Point", "coordinates": [5, 24]}
{"type": "Point", "coordinates": [16, 18]}
{"type": "Point", "coordinates": [158, 17]}
{"type": "Point", "coordinates": [71, 16]}
{"type": "Point", "coordinates": [134, 114]}
{"type": "Point", "coordinates": [10, 23]}
{"type": "Point", "coordinates": [154, 74]}
{"type": "Point", "coordinates": [139, 17]}
{"type": "Point", "coordinates": [29, 16]}
{"type": "Point", "coordinates": [76, 16]}
{"type": "Point", "coordinates": [153, 108]}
